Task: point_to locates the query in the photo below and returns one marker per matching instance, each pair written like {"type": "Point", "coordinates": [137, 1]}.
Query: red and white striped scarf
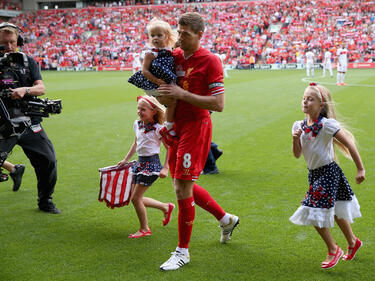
{"type": "Point", "coordinates": [115, 185]}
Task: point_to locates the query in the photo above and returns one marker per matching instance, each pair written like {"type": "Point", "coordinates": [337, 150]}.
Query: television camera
{"type": "Point", "coordinates": [15, 115]}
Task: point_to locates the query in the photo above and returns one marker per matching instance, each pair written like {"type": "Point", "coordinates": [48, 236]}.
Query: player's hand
{"type": "Point", "coordinates": [360, 176]}
{"type": "Point", "coordinates": [163, 172]}
{"type": "Point", "coordinates": [297, 134]}
{"type": "Point", "coordinates": [171, 90]}
{"type": "Point", "coordinates": [18, 93]}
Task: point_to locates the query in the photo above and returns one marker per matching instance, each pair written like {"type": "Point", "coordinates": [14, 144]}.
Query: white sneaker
{"type": "Point", "coordinates": [226, 230]}
{"type": "Point", "coordinates": [176, 261]}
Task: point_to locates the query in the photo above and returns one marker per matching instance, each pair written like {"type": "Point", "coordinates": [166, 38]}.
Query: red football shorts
{"type": "Point", "coordinates": [188, 155]}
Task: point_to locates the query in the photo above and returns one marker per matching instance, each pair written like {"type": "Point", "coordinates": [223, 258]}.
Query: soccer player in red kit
{"type": "Point", "coordinates": [199, 89]}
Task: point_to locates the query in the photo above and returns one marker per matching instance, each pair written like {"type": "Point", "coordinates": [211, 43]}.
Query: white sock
{"type": "Point", "coordinates": [184, 251]}
{"type": "Point", "coordinates": [338, 77]}
{"type": "Point", "coordinates": [342, 77]}
{"type": "Point", "coordinates": [169, 125]}
{"type": "Point", "coordinates": [225, 220]}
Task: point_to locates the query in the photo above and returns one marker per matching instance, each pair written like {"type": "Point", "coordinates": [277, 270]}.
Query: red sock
{"type": "Point", "coordinates": [186, 214]}
{"type": "Point", "coordinates": [204, 200]}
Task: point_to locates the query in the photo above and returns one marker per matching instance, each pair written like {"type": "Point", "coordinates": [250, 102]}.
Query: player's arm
{"type": "Point", "coordinates": [214, 102]}
{"type": "Point", "coordinates": [337, 58]}
{"type": "Point", "coordinates": [149, 57]}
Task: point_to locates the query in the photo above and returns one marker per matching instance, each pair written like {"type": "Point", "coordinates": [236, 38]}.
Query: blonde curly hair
{"type": "Point", "coordinates": [171, 35]}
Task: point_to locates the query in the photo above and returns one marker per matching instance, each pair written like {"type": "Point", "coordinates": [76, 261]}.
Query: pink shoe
{"type": "Point", "coordinates": [143, 234]}
{"type": "Point", "coordinates": [348, 257]}
{"type": "Point", "coordinates": [168, 213]}
{"type": "Point", "coordinates": [336, 259]}
{"type": "Point", "coordinates": [338, 84]}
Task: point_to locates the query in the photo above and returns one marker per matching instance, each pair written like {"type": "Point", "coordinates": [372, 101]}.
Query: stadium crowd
{"type": "Point", "coordinates": [104, 3]}
{"type": "Point", "coordinates": [10, 5]}
{"type": "Point", "coordinates": [264, 31]}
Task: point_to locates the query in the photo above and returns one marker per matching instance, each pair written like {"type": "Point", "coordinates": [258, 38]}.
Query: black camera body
{"type": "Point", "coordinates": [15, 115]}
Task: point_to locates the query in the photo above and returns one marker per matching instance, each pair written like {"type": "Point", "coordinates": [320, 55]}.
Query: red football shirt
{"type": "Point", "coordinates": [200, 74]}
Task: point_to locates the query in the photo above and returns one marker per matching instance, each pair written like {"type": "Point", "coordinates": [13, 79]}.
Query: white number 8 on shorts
{"type": "Point", "coordinates": [187, 162]}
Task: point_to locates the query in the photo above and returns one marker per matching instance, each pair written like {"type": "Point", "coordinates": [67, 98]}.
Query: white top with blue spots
{"type": "Point", "coordinates": [318, 151]}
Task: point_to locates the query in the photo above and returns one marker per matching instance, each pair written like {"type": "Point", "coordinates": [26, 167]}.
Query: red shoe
{"type": "Point", "coordinates": [348, 257]}
{"type": "Point", "coordinates": [168, 213]}
{"type": "Point", "coordinates": [142, 234]}
{"type": "Point", "coordinates": [336, 259]}
{"type": "Point", "coordinates": [167, 137]}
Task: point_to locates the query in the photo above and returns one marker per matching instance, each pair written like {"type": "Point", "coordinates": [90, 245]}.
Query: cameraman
{"type": "Point", "coordinates": [34, 140]}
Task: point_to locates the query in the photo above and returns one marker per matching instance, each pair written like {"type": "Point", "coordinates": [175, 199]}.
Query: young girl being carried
{"type": "Point", "coordinates": [148, 167]}
{"type": "Point", "coordinates": [329, 197]}
{"type": "Point", "coordinates": [158, 68]}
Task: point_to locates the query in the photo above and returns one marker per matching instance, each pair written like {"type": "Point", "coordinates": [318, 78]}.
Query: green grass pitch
{"type": "Point", "coordinates": [260, 181]}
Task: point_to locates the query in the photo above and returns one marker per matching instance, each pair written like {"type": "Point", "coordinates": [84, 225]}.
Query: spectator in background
{"type": "Point", "coordinates": [210, 167]}
{"type": "Point", "coordinates": [342, 64]}
{"type": "Point", "coordinates": [252, 61]}
{"type": "Point", "coordinates": [327, 63]}
{"type": "Point", "coordinates": [310, 60]}
{"type": "Point", "coordinates": [225, 68]}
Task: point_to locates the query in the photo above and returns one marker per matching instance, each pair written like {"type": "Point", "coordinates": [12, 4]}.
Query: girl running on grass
{"type": "Point", "coordinates": [329, 197]}
{"type": "Point", "coordinates": [148, 167]}
{"type": "Point", "coordinates": [158, 68]}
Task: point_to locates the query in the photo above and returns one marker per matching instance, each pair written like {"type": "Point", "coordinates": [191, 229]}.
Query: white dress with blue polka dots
{"type": "Point", "coordinates": [162, 67]}
{"type": "Point", "coordinates": [329, 193]}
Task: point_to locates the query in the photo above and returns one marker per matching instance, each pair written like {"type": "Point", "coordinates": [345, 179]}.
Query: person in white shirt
{"type": "Point", "coordinates": [342, 65]}
{"type": "Point", "coordinates": [329, 197]}
{"type": "Point", "coordinates": [148, 168]}
{"type": "Point", "coordinates": [327, 63]}
{"type": "Point", "coordinates": [136, 63]}
{"type": "Point", "coordinates": [310, 59]}
{"type": "Point", "coordinates": [222, 58]}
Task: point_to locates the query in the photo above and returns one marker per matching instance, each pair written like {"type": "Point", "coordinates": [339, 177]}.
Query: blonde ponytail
{"type": "Point", "coordinates": [328, 111]}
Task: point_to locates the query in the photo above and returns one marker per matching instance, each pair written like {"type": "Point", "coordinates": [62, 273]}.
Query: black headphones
{"type": "Point", "coordinates": [20, 39]}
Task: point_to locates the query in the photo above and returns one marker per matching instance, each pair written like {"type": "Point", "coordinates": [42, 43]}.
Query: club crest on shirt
{"type": "Point", "coordinates": [189, 71]}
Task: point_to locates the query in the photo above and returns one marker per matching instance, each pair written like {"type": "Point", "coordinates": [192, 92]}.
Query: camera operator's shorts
{"type": "Point", "coordinates": [188, 155]}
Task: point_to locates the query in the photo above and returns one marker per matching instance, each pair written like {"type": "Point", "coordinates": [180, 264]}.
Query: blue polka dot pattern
{"type": "Point", "coordinates": [147, 165]}
{"type": "Point", "coordinates": [161, 67]}
{"type": "Point", "coordinates": [327, 185]}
